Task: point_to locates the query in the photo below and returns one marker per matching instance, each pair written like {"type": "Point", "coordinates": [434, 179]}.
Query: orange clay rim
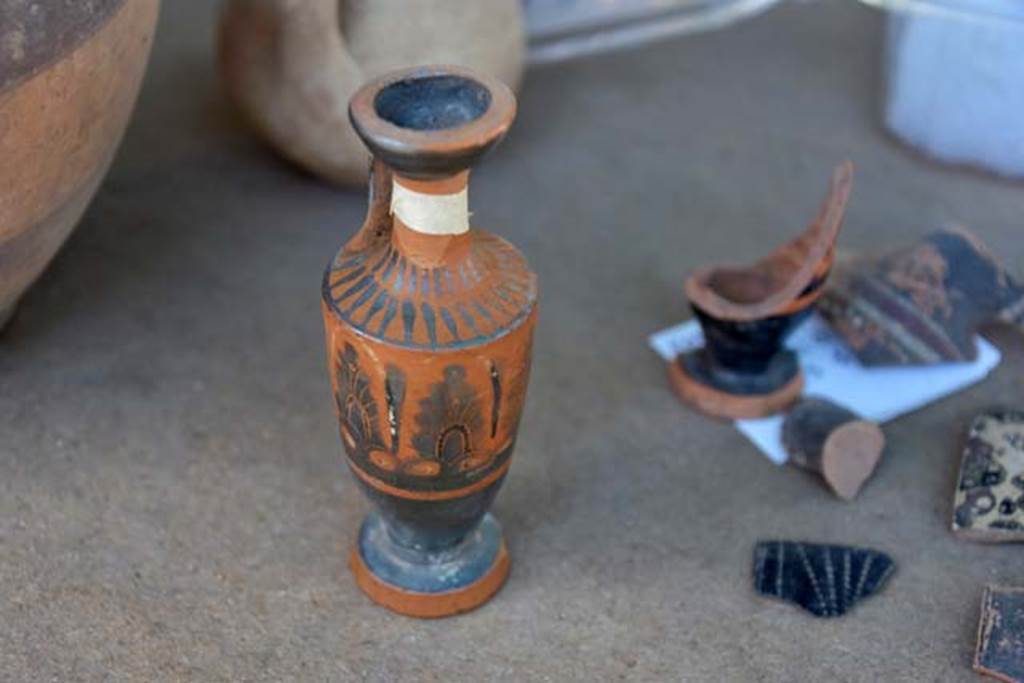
{"type": "Point", "coordinates": [462, 140]}
{"type": "Point", "coordinates": [827, 224]}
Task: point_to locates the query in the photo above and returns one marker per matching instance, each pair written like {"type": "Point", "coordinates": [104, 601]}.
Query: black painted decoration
{"type": "Point", "coordinates": [989, 499]}
{"type": "Point", "coordinates": [495, 398]}
{"type": "Point", "coordinates": [825, 580]}
{"type": "Point", "coordinates": [394, 391]}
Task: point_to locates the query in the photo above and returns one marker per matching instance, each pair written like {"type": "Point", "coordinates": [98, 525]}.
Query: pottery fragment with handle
{"type": "Point", "coordinates": [746, 313]}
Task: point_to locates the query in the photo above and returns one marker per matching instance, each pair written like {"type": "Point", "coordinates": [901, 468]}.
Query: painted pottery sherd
{"type": "Point", "coordinates": [825, 580]}
{"type": "Point", "coordinates": [69, 75]}
{"type": "Point", "coordinates": [828, 439]}
{"type": "Point", "coordinates": [990, 489]}
{"type": "Point", "coordinates": [291, 67]}
{"type": "Point", "coordinates": [922, 304]}
{"type": "Point", "coordinates": [429, 325]}
{"type": "Point", "coordinates": [1000, 650]}
{"type": "Point", "coordinates": [743, 371]}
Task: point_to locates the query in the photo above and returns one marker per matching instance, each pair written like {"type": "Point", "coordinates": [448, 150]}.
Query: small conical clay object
{"type": "Point", "coordinates": [829, 439]}
{"type": "Point", "coordinates": [746, 312]}
{"type": "Point", "coordinates": [291, 67]}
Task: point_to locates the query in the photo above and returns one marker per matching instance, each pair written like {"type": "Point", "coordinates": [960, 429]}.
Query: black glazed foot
{"type": "Point", "coordinates": [780, 371]}
{"type": "Point", "coordinates": [7, 315]}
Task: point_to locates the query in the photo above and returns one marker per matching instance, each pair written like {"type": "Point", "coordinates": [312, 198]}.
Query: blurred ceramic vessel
{"type": "Point", "coordinates": [429, 326]}
{"type": "Point", "coordinates": [69, 76]}
{"type": "Point", "coordinates": [291, 67]}
{"type": "Point", "coordinates": [746, 312]}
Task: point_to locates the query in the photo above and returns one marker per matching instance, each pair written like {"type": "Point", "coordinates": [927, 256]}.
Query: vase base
{"type": "Point", "coordinates": [722, 404]}
{"type": "Point", "coordinates": [440, 584]}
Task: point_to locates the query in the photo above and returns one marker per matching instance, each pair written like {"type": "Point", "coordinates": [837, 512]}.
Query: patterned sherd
{"type": "Point", "coordinates": [922, 304]}
{"type": "Point", "coordinates": [990, 490]}
{"type": "Point", "coordinates": [1000, 652]}
{"type": "Point", "coordinates": [825, 580]}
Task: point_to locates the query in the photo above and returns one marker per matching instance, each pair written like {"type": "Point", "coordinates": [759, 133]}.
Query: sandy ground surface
{"type": "Point", "coordinates": [173, 503]}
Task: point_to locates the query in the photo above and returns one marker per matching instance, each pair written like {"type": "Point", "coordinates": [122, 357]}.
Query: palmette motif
{"type": "Point", "coordinates": [825, 580]}
{"type": "Point", "coordinates": [476, 299]}
{"type": "Point", "coordinates": [922, 304]}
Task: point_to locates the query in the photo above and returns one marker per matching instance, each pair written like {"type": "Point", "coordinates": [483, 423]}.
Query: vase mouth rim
{"type": "Point", "coordinates": [432, 121]}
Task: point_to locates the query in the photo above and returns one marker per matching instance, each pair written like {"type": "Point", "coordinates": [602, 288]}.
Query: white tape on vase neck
{"type": "Point", "coordinates": [432, 214]}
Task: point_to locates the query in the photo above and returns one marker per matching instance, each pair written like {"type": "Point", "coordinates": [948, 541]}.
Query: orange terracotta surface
{"type": "Point", "coordinates": [429, 328]}
{"type": "Point", "coordinates": [59, 129]}
{"type": "Point", "coordinates": [432, 605]}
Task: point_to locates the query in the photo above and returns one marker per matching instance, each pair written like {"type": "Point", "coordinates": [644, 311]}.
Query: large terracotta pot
{"type": "Point", "coordinates": [69, 75]}
{"type": "Point", "coordinates": [291, 67]}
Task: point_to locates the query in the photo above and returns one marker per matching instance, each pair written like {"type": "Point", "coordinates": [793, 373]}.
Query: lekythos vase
{"type": "Point", "coordinates": [69, 75]}
{"type": "Point", "coordinates": [429, 325]}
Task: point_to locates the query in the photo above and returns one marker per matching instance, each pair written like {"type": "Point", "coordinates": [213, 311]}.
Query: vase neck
{"type": "Point", "coordinates": [431, 218]}
{"type": "Point", "coordinates": [438, 206]}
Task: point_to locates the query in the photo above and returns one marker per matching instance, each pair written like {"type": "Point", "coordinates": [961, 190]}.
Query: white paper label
{"type": "Point", "coordinates": [433, 214]}
{"type": "Point", "coordinates": [832, 371]}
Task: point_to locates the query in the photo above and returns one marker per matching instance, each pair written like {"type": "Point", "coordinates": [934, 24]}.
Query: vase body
{"type": "Point", "coordinates": [67, 88]}
{"type": "Point", "coordinates": [428, 344]}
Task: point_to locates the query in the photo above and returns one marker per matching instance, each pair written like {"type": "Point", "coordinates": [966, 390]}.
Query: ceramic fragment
{"type": "Point", "coordinates": [922, 304]}
{"type": "Point", "coordinates": [1000, 649]}
{"type": "Point", "coordinates": [989, 499]}
{"type": "Point", "coordinates": [825, 580]}
{"type": "Point", "coordinates": [743, 371]}
{"type": "Point", "coordinates": [429, 325]}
